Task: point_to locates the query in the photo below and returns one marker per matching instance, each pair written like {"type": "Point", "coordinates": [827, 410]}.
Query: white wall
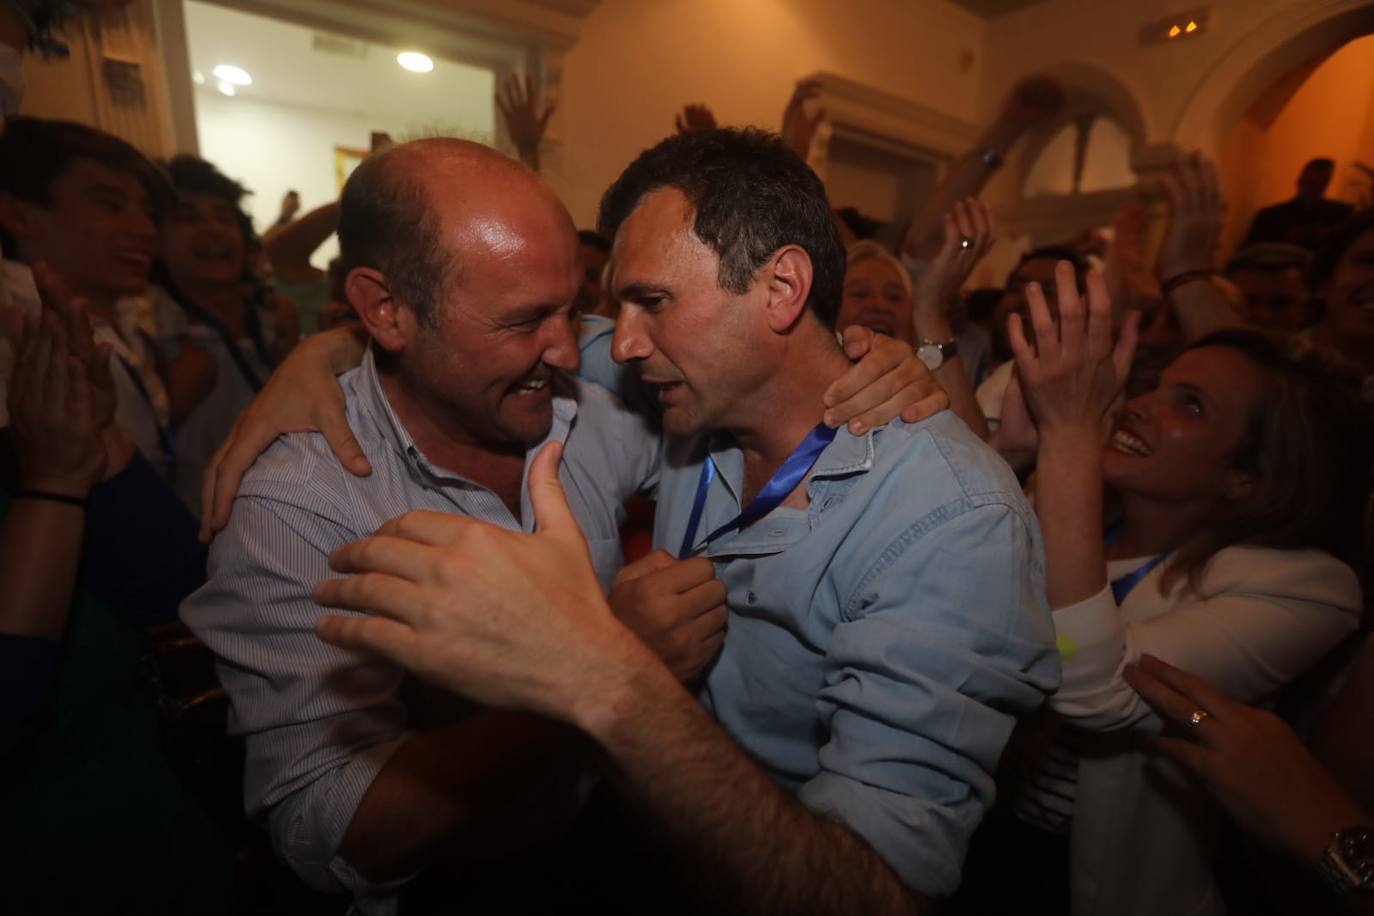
{"type": "Point", "coordinates": [636, 62]}
{"type": "Point", "coordinates": [274, 148]}
{"type": "Point", "coordinates": [271, 149]}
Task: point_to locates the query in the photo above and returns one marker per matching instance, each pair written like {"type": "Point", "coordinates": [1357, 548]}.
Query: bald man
{"type": "Point", "coordinates": [463, 267]}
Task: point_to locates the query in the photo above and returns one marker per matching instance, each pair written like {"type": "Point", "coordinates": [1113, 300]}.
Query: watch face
{"type": "Point", "coordinates": [931, 355]}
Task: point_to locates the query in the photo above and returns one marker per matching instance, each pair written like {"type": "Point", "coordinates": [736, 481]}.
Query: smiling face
{"type": "Point", "coordinates": [1275, 299]}
{"type": "Point", "coordinates": [875, 297]}
{"type": "Point", "coordinates": [503, 323]}
{"type": "Point", "coordinates": [202, 241]}
{"type": "Point", "coordinates": [1179, 442]}
{"type": "Point", "coordinates": [1348, 320]}
{"type": "Point", "coordinates": [97, 231]}
{"type": "Point", "coordinates": [701, 345]}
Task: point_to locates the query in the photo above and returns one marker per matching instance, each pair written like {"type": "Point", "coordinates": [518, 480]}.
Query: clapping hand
{"type": "Point", "coordinates": [968, 237]}
{"type": "Point", "coordinates": [1197, 211]}
{"type": "Point", "coordinates": [1073, 373]}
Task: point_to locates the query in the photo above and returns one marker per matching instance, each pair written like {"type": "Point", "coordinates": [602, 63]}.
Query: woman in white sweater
{"type": "Point", "coordinates": [1235, 485]}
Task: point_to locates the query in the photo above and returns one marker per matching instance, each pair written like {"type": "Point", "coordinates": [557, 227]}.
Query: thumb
{"type": "Point", "coordinates": [334, 426]}
{"type": "Point", "coordinates": [551, 513]}
{"type": "Point", "coordinates": [857, 341]}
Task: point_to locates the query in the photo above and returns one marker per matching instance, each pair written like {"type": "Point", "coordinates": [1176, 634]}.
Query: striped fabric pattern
{"type": "Point", "coordinates": [320, 722]}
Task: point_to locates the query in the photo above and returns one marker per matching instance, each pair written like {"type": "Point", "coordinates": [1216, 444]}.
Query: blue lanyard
{"type": "Point", "coordinates": [164, 437]}
{"type": "Point", "coordinates": [1121, 587]}
{"type": "Point", "coordinates": [783, 482]}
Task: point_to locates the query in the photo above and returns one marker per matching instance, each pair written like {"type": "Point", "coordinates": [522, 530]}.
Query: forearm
{"type": "Point", "coordinates": [40, 547]}
{"type": "Point", "coordinates": [1068, 501]}
{"type": "Point", "coordinates": [472, 788]}
{"type": "Point", "coordinates": [966, 177]}
{"type": "Point", "coordinates": [952, 375]}
{"type": "Point", "coordinates": [289, 247]}
{"type": "Point", "coordinates": [1201, 307]}
{"type": "Point", "coordinates": [741, 840]}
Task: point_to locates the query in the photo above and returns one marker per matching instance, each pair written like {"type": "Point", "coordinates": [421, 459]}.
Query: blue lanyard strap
{"type": "Point", "coordinates": [164, 436]}
{"type": "Point", "coordinates": [783, 482]}
{"type": "Point", "coordinates": [1121, 586]}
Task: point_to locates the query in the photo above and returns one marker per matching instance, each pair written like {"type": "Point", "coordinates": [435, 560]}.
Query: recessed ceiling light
{"type": "Point", "coordinates": [226, 87]}
{"type": "Point", "coordinates": [198, 78]}
{"type": "Point", "coordinates": [235, 75]}
{"type": "Point", "coordinates": [415, 62]}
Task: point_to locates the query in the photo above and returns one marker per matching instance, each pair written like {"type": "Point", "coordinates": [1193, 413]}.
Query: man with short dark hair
{"type": "Point", "coordinates": [887, 615]}
{"type": "Point", "coordinates": [86, 203]}
{"type": "Point", "coordinates": [1273, 277]}
{"type": "Point", "coordinates": [1308, 217]}
{"type": "Point", "coordinates": [363, 776]}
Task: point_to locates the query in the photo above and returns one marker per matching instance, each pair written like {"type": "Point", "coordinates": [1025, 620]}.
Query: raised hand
{"type": "Point", "coordinates": [59, 438]}
{"type": "Point", "coordinates": [799, 128]}
{"type": "Point", "coordinates": [526, 121]}
{"type": "Point", "coordinates": [887, 382]}
{"type": "Point", "coordinates": [504, 618]}
{"type": "Point", "coordinates": [1197, 211]}
{"type": "Point", "coordinates": [676, 607]}
{"type": "Point", "coordinates": [1073, 373]}
{"type": "Point", "coordinates": [968, 237]}
{"type": "Point", "coordinates": [694, 119]}
{"type": "Point", "coordinates": [73, 314]}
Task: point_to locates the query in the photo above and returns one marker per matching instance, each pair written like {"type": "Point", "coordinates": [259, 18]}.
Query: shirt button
{"type": "Point", "coordinates": [753, 599]}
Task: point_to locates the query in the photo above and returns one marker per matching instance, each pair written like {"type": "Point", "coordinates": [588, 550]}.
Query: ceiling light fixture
{"type": "Point", "coordinates": [415, 62]}
{"type": "Point", "coordinates": [226, 87]}
{"type": "Point", "coordinates": [236, 76]}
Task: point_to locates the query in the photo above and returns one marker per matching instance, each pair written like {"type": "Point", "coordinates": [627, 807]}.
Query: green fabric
{"type": "Point", "coordinates": [310, 298]}
{"type": "Point", "coordinates": [94, 820]}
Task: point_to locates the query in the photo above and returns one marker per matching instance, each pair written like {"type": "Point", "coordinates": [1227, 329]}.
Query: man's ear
{"type": "Point", "coordinates": [788, 275]}
{"type": "Point", "coordinates": [391, 324]}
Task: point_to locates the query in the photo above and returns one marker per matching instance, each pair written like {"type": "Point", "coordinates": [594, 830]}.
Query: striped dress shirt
{"type": "Point", "coordinates": [321, 722]}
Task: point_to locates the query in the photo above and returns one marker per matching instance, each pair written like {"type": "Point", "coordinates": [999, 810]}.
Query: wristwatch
{"type": "Point", "coordinates": [1348, 864]}
{"type": "Point", "coordinates": [990, 157]}
{"type": "Point", "coordinates": [934, 353]}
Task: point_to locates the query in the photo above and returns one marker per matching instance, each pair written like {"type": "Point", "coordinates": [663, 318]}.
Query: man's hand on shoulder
{"type": "Point", "coordinates": [676, 607]}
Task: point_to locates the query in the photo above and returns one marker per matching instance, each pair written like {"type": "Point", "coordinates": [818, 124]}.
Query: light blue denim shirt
{"type": "Point", "coordinates": [883, 641]}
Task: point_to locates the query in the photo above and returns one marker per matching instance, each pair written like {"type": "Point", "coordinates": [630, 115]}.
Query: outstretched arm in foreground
{"type": "Point", "coordinates": [533, 632]}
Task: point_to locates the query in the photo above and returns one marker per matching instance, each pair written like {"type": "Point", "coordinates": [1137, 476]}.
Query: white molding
{"type": "Point", "coordinates": [891, 122]}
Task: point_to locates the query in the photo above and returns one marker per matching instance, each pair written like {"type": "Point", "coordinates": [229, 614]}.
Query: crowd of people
{"type": "Point", "coordinates": [729, 555]}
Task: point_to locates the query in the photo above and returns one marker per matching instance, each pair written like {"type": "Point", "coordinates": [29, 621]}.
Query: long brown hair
{"type": "Point", "coordinates": [1308, 448]}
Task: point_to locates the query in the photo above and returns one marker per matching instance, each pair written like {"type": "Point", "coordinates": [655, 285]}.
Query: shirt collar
{"type": "Point", "coordinates": [845, 455]}
{"type": "Point", "coordinates": [373, 401]}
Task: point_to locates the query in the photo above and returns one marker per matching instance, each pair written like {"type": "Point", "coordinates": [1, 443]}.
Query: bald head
{"type": "Point", "coordinates": [409, 211]}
